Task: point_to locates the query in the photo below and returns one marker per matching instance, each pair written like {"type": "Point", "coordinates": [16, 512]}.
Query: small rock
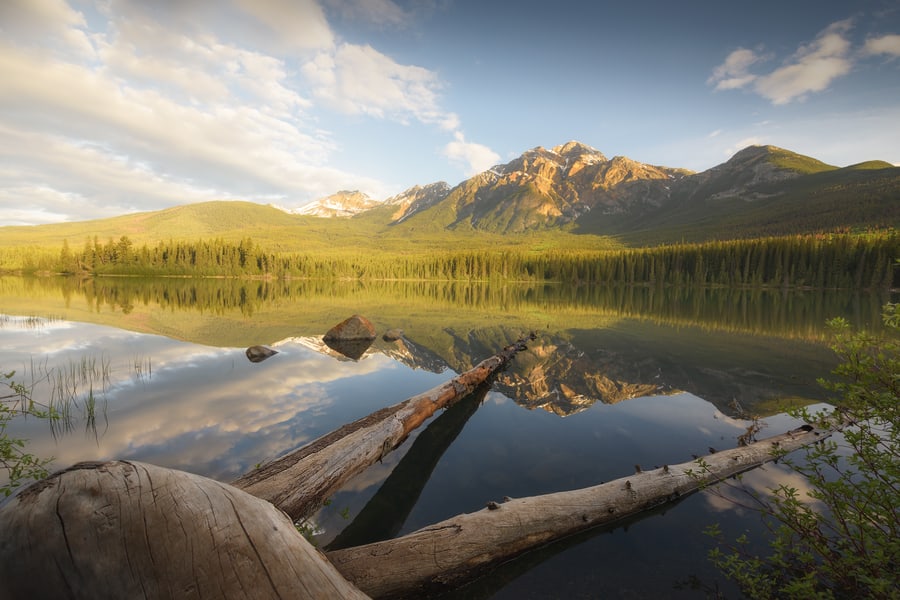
{"type": "Point", "coordinates": [257, 354]}
{"type": "Point", "coordinates": [392, 335]}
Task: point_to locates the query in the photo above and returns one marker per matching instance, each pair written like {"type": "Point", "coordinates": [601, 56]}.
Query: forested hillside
{"type": "Point", "coordinates": [814, 261]}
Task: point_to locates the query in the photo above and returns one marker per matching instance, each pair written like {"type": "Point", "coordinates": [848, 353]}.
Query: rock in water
{"type": "Point", "coordinates": [356, 328]}
{"type": "Point", "coordinates": [257, 354]}
{"type": "Point", "coordinates": [352, 349]}
{"type": "Point", "coordinates": [392, 335]}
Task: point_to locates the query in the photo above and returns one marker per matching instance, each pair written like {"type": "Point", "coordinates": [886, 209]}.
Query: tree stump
{"type": "Point", "coordinates": [125, 529]}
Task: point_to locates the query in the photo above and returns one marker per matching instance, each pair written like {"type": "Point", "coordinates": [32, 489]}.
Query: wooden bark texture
{"type": "Point", "coordinates": [301, 481]}
{"type": "Point", "coordinates": [132, 530]}
{"type": "Point", "coordinates": [448, 553]}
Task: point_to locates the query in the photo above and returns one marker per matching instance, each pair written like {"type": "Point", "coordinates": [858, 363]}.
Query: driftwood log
{"type": "Point", "coordinates": [300, 482]}
{"type": "Point", "coordinates": [456, 550]}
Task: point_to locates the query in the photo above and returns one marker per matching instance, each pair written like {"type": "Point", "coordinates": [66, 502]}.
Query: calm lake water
{"type": "Point", "coordinates": [156, 371]}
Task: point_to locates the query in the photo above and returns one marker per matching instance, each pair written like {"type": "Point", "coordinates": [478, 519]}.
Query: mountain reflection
{"type": "Point", "coordinates": [763, 348]}
{"type": "Point", "coordinates": [309, 305]}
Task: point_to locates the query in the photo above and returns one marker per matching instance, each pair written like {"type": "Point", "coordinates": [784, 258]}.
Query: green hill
{"type": "Point", "coordinates": [764, 192]}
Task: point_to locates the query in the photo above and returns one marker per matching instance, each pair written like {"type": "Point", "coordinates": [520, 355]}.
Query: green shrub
{"type": "Point", "coordinates": [843, 541]}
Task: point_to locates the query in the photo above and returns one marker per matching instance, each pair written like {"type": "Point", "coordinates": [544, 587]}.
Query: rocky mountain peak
{"type": "Point", "coordinates": [417, 198]}
{"type": "Point", "coordinates": [345, 203]}
{"type": "Point", "coordinates": [576, 150]}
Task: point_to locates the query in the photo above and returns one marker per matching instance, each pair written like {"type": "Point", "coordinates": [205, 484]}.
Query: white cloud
{"type": "Point", "coordinates": [298, 24]}
{"type": "Point", "coordinates": [61, 179]}
{"type": "Point", "coordinates": [759, 483]}
{"type": "Point", "coordinates": [812, 68]}
{"type": "Point", "coordinates": [155, 105]}
{"type": "Point", "coordinates": [360, 80]}
{"type": "Point", "coordinates": [733, 73]}
{"type": "Point", "coordinates": [54, 20]}
{"type": "Point", "coordinates": [474, 157]}
{"type": "Point", "coordinates": [886, 44]}
{"type": "Point", "coordinates": [163, 118]}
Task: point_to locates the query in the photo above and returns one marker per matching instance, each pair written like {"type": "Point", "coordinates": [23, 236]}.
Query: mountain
{"type": "Point", "coordinates": [417, 199]}
{"type": "Point", "coordinates": [341, 204]}
{"type": "Point", "coordinates": [761, 190]}
{"type": "Point", "coordinates": [743, 174]}
{"type": "Point", "coordinates": [551, 188]}
{"type": "Point", "coordinates": [572, 188]}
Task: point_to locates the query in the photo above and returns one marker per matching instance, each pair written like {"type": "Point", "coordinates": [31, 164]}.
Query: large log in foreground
{"type": "Point", "coordinates": [449, 553]}
{"type": "Point", "coordinates": [300, 482]}
{"type": "Point", "coordinates": [132, 530]}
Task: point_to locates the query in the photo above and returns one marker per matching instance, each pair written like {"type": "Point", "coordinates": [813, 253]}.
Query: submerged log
{"type": "Point", "coordinates": [449, 553]}
{"type": "Point", "coordinates": [300, 482]}
{"type": "Point", "coordinates": [132, 530]}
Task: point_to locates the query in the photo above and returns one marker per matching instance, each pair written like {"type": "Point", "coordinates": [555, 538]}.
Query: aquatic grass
{"type": "Point", "coordinates": [143, 368]}
{"type": "Point", "coordinates": [28, 322]}
{"type": "Point", "coordinates": [74, 389]}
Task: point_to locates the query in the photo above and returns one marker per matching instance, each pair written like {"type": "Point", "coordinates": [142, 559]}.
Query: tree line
{"type": "Point", "coordinates": [821, 261]}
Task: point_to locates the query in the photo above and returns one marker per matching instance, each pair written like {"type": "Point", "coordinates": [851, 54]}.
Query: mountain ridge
{"type": "Point", "coordinates": [571, 188]}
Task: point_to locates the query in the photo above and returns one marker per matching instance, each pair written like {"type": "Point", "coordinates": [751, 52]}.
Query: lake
{"type": "Point", "coordinates": [156, 371]}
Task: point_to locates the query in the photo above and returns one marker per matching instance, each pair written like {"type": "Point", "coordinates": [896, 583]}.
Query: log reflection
{"type": "Point", "coordinates": [386, 512]}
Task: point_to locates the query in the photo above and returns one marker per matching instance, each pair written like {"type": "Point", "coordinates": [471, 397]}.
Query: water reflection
{"type": "Point", "coordinates": [204, 409]}
{"type": "Point", "coordinates": [615, 377]}
{"type": "Point", "coordinates": [316, 304]}
{"type": "Point", "coordinates": [385, 513]}
{"type": "Point", "coordinates": [762, 348]}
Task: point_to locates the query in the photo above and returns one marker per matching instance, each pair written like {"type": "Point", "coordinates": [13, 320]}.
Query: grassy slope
{"type": "Point", "coordinates": [279, 231]}
{"type": "Point", "coordinates": [857, 197]}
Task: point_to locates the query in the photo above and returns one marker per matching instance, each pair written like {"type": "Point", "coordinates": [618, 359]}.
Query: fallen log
{"type": "Point", "coordinates": [300, 482]}
{"type": "Point", "coordinates": [449, 553]}
{"type": "Point", "coordinates": [132, 530]}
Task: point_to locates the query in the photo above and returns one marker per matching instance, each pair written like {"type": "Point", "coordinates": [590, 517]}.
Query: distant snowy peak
{"type": "Point", "coordinates": [342, 204]}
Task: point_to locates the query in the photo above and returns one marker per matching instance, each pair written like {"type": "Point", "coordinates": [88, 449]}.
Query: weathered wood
{"type": "Point", "coordinates": [456, 550]}
{"type": "Point", "coordinates": [132, 530]}
{"type": "Point", "coordinates": [299, 482]}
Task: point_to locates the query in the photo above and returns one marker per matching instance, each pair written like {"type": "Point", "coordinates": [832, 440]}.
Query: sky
{"type": "Point", "coordinates": [119, 106]}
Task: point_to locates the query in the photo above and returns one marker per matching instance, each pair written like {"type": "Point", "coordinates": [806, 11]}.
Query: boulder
{"type": "Point", "coordinates": [356, 328]}
{"type": "Point", "coordinates": [352, 349]}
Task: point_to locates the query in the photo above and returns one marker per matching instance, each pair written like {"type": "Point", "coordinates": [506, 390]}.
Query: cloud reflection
{"type": "Point", "coordinates": [197, 408]}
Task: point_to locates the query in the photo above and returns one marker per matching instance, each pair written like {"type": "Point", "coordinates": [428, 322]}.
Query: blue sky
{"type": "Point", "coordinates": [115, 106]}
